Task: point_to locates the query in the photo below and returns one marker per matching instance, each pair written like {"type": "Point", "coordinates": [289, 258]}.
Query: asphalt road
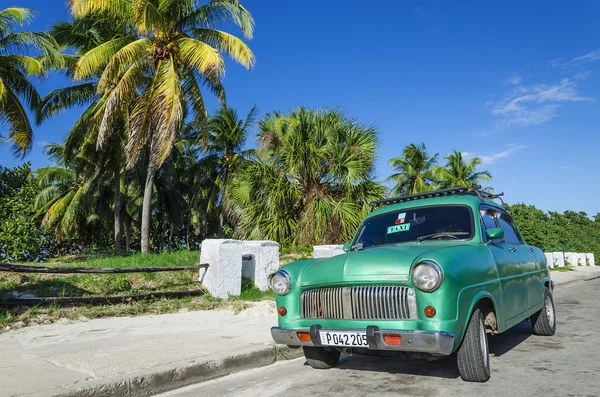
{"type": "Point", "coordinates": [523, 364]}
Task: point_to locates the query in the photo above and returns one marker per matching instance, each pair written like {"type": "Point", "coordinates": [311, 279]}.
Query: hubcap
{"type": "Point", "coordinates": [549, 311]}
{"type": "Point", "coordinates": [483, 342]}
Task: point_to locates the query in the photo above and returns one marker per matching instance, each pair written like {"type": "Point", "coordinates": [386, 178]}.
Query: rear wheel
{"type": "Point", "coordinates": [321, 357]}
{"type": "Point", "coordinates": [544, 321]}
{"type": "Point", "coordinates": [473, 354]}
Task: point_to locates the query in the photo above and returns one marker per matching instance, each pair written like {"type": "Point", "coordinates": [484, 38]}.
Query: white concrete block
{"type": "Point", "coordinates": [549, 259]}
{"type": "Point", "coordinates": [223, 278]}
{"type": "Point", "coordinates": [570, 258]}
{"type": "Point", "coordinates": [559, 259]}
{"type": "Point", "coordinates": [589, 259]}
{"type": "Point", "coordinates": [264, 261]}
{"type": "Point", "coordinates": [325, 251]}
{"type": "Point", "coordinates": [580, 259]}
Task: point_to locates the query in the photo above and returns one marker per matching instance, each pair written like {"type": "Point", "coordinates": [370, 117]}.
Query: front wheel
{"type": "Point", "coordinates": [544, 321]}
{"type": "Point", "coordinates": [321, 357]}
{"type": "Point", "coordinates": [473, 354]}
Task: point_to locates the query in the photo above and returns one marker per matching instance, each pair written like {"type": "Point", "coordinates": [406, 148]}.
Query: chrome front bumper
{"type": "Point", "coordinates": [434, 342]}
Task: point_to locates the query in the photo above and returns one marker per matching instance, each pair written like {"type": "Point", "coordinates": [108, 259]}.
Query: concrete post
{"type": "Point", "coordinates": [549, 260]}
{"type": "Point", "coordinates": [580, 259]}
{"type": "Point", "coordinates": [325, 251]}
{"type": "Point", "coordinates": [570, 258]}
{"type": "Point", "coordinates": [559, 259]}
{"type": "Point", "coordinates": [589, 258]}
{"type": "Point", "coordinates": [223, 278]}
{"type": "Point", "coordinates": [264, 260]}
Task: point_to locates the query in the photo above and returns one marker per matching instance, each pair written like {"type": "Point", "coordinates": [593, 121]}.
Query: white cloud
{"type": "Point", "coordinates": [583, 75]}
{"type": "Point", "coordinates": [42, 143]}
{"type": "Point", "coordinates": [577, 61]}
{"type": "Point", "coordinates": [535, 104]}
{"type": "Point", "coordinates": [515, 79]}
{"type": "Point", "coordinates": [591, 56]}
{"type": "Point", "coordinates": [492, 158]}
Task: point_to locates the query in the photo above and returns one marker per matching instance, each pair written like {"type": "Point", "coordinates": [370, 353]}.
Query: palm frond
{"type": "Point", "coordinates": [95, 60]}
{"type": "Point", "coordinates": [63, 98]}
{"type": "Point", "coordinates": [200, 56]}
{"type": "Point", "coordinates": [227, 43]}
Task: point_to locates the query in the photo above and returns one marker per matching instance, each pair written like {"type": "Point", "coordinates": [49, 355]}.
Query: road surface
{"type": "Point", "coordinates": [567, 364]}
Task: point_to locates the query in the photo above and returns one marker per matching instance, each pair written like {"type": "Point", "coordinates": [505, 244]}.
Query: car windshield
{"type": "Point", "coordinates": [441, 222]}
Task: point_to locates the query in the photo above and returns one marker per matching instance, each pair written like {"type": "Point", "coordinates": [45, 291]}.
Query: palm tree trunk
{"type": "Point", "coordinates": [146, 208]}
{"type": "Point", "coordinates": [165, 225]}
{"type": "Point", "coordinates": [128, 235]}
{"type": "Point", "coordinates": [220, 226]}
{"type": "Point", "coordinates": [170, 241]}
{"type": "Point", "coordinates": [118, 223]}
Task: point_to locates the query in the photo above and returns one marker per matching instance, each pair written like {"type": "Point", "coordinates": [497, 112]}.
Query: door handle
{"type": "Point", "coordinates": [512, 249]}
{"type": "Point", "coordinates": [530, 250]}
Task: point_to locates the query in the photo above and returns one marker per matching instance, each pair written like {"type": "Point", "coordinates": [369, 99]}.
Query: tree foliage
{"type": "Point", "coordinates": [312, 180]}
{"type": "Point", "coordinates": [555, 232]}
{"type": "Point", "coordinates": [20, 236]}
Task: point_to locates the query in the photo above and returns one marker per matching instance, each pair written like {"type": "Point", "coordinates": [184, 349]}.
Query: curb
{"type": "Point", "coordinates": [163, 379]}
{"type": "Point", "coordinates": [574, 281]}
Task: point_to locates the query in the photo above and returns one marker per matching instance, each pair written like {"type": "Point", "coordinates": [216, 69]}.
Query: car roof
{"type": "Point", "coordinates": [459, 199]}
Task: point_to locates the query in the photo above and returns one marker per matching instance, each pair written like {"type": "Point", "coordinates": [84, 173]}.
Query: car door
{"type": "Point", "coordinates": [509, 264]}
{"type": "Point", "coordinates": [534, 268]}
{"type": "Point", "coordinates": [526, 271]}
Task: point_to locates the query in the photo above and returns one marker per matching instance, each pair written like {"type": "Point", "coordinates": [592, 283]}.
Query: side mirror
{"type": "Point", "coordinates": [494, 233]}
{"type": "Point", "coordinates": [346, 247]}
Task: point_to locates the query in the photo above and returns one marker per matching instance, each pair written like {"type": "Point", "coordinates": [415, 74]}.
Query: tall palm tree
{"type": "Point", "coordinates": [83, 35]}
{"type": "Point", "coordinates": [15, 67]}
{"type": "Point", "coordinates": [460, 171]}
{"type": "Point", "coordinates": [227, 136]}
{"type": "Point", "coordinates": [414, 171]}
{"type": "Point", "coordinates": [173, 49]}
{"type": "Point", "coordinates": [312, 181]}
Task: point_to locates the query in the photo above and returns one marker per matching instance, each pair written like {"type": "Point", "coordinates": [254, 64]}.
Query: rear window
{"type": "Point", "coordinates": [432, 223]}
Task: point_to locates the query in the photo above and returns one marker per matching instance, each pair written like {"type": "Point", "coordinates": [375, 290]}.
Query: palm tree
{"type": "Point", "coordinates": [173, 48]}
{"type": "Point", "coordinates": [64, 200]}
{"type": "Point", "coordinates": [312, 180]}
{"type": "Point", "coordinates": [461, 172]}
{"type": "Point", "coordinates": [15, 68]}
{"type": "Point", "coordinates": [227, 136]}
{"type": "Point", "coordinates": [414, 171]}
{"type": "Point", "coordinates": [83, 35]}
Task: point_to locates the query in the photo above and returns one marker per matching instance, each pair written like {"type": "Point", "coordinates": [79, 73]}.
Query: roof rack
{"type": "Point", "coordinates": [438, 193]}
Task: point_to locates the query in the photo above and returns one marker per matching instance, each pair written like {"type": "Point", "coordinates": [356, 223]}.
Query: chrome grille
{"type": "Point", "coordinates": [360, 303]}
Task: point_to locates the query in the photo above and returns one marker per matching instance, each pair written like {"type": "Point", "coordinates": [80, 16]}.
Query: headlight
{"type": "Point", "coordinates": [427, 276]}
{"type": "Point", "coordinates": [280, 282]}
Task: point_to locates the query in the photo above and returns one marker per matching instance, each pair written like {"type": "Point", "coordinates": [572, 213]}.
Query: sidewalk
{"type": "Point", "coordinates": [136, 356]}
{"type": "Point", "coordinates": [580, 273]}
{"type": "Point", "coordinates": [142, 356]}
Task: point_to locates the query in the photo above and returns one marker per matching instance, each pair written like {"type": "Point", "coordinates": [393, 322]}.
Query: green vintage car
{"type": "Point", "coordinates": [426, 275]}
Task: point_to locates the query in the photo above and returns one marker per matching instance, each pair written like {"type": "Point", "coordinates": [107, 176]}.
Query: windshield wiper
{"type": "Point", "coordinates": [442, 234]}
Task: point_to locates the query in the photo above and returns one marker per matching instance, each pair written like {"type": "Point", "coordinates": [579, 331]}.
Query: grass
{"type": "Point", "coordinates": [42, 285]}
{"type": "Point", "coordinates": [291, 254]}
{"type": "Point", "coordinates": [562, 269]}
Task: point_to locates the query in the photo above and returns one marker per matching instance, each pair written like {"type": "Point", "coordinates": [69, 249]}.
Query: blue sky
{"type": "Point", "coordinates": [515, 82]}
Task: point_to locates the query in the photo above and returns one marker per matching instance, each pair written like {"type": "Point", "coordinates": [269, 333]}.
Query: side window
{"type": "Point", "coordinates": [488, 218]}
{"type": "Point", "coordinates": [510, 234]}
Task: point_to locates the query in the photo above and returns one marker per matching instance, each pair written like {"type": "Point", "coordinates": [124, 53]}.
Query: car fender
{"type": "Point", "coordinates": [470, 297]}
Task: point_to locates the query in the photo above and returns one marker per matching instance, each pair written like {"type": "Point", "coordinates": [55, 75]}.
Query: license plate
{"type": "Point", "coordinates": [344, 338]}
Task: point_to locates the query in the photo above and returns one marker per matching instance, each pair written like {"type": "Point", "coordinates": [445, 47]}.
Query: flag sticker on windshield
{"type": "Point", "coordinates": [398, 228]}
{"type": "Point", "coordinates": [401, 218]}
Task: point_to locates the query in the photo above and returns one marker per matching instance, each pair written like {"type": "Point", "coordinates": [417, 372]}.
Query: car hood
{"type": "Point", "coordinates": [389, 263]}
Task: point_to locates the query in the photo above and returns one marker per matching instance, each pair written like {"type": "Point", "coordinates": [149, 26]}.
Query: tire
{"type": "Point", "coordinates": [473, 357]}
{"type": "Point", "coordinates": [544, 321]}
{"type": "Point", "coordinates": [321, 357]}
